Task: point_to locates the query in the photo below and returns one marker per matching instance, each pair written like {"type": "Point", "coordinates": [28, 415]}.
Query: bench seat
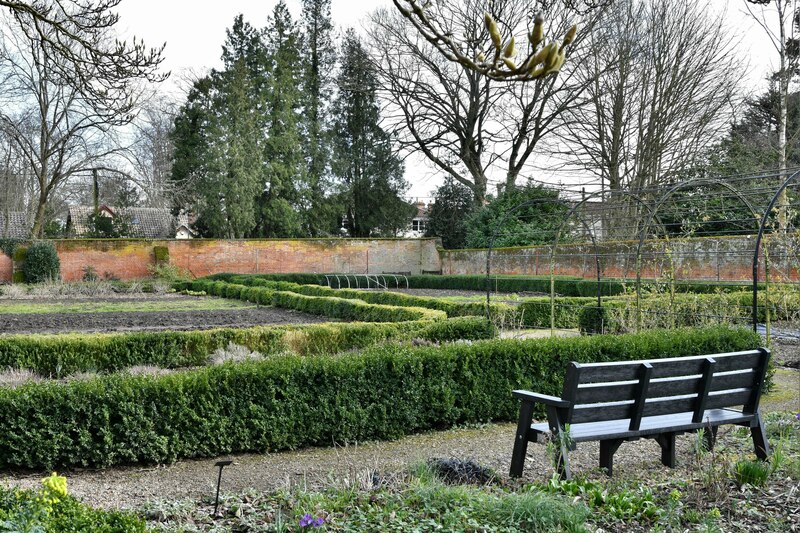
{"type": "Point", "coordinates": [650, 425]}
{"type": "Point", "coordinates": [614, 402]}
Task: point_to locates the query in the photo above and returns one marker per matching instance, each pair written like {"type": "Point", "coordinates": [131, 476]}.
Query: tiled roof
{"type": "Point", "coordinates": [14, 224]}
{"type": "Point", "coordinates": [143, 222]}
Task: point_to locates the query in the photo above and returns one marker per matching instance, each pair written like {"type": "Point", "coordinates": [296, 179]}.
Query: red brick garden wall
{"type": "Point", "coordinates": [130, 259]}
{"type": "Point", "coordinates": [720, 258]}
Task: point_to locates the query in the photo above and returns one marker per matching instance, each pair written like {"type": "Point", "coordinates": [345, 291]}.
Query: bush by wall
{"type": "Point", "coordinates": [289, 401]}
{"type": "Point", "coordinates": [41, 263]}
{"type": "Point", "coordinates": [62, 355]}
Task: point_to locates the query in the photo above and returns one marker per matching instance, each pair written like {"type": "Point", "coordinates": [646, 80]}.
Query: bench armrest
{"type": "Point", "coordinates": [527, 396]}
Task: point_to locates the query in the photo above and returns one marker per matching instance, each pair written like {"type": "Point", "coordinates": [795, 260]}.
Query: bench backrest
{"type": "Point", "coordinates": [636, 389]}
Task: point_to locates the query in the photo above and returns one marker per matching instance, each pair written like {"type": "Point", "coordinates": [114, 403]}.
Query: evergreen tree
{"type": "Point", "coordinates": [318, 64]}
{"type": "Point", "coordinates": [452, 205]}
{"type": "Point", "coordinates": [537, 223]}
{"type": "Point", "coordinates": [283, 194]}
{"type": "Point", "coordinates": [219, 137]}
{"type": "Point", "coordinates": [371, 175]}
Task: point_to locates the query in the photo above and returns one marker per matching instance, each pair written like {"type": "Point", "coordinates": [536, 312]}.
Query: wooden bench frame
{"type": "Point", "coordinates": [658, 399]}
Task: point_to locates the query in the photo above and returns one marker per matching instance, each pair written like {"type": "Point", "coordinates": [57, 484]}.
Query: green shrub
{"type": "Point", "coordinates": [41, 263]}
{"type": "Point", "coordinates": [352, 309]}
{"type": "Point", "coordinates": [592, 320]}
{"type": "Point", "coordinates": [9, 244]}
{"type": "Point", "coordinates": [161, 255]}
{"type": "Point", "coordinates": [53, 511]}
{"type": "Point", "coordinates": [688, 310]}
{"type": "Point", "coordinates": [289, 401]}
{"type": "Point", "coordinates": [753, 473]}
{"type": "Point", "coordinates": [62, 355]}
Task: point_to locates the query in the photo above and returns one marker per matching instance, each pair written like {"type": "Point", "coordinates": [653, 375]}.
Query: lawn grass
{"type": "Point", "coordinates": [90, 306]}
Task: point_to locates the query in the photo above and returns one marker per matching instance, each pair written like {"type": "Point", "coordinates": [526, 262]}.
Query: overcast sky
{"type": "Point", "coordinates": [194, 32]}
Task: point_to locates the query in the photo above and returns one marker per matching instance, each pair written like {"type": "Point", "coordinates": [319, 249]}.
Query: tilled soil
{"type": "Point", "coordinates": [152, 320]}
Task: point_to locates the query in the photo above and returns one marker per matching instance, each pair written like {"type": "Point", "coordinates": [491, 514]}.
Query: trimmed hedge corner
{"type": "Point", "coordinates": [290, 401]}
{"type": "Point", "coordinates": [62, 355]}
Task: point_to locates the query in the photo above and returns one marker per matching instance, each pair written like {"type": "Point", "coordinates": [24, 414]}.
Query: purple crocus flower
{"type": "Point", "coordinates": [309, 520]}
{"type": "Point", "coordinates": [797, 416]}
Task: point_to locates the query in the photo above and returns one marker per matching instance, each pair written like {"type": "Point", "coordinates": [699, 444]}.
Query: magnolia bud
{"type": "Point", "coordinates": [510, 63]}
{"type": "Point", "coordinates": [491, 25]}
{"type": "Point", "coordinates": [537, 35]}
{"type": "Point", "coordinates": [510, 50]}
{"type": "Point", "coordinates": [570, 36]}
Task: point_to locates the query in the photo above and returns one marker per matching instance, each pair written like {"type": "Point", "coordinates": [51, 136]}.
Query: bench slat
{"type": "Point", "coordinates": [665, 368]}
{"type": "Point", "coordinates": [657, 406]}
{"type": "Point", "coordinates": [621, 391]}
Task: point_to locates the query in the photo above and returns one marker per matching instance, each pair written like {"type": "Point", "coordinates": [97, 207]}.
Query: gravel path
{"type": "Point", "coordinates": [490, 445]}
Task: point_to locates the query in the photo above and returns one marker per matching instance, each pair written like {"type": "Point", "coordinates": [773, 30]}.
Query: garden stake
{"type": "Point", "coordinates": [221, 465]}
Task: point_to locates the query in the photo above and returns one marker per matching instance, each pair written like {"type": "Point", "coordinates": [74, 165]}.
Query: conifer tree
{"type": "Point", "coordinates": [319, 60]}
{"type": "Point", "coordinates": [371, 175]}
{"type": "Point", "coordinates": [284, 195]}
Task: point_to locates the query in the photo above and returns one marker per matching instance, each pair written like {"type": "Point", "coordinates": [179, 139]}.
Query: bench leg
{"type": "Point", "coordinates": [562, 442]}
{"type": "Point", "coordinates": [607, 450]}
{"type": "Point", "coordinates": [667, 443]}
{"type": "Point", "coordinates": [760, 442]}
{"type": "Point", "coordinates": [521, 439]}
{"type": "Point", "coordinates": [710, 437]}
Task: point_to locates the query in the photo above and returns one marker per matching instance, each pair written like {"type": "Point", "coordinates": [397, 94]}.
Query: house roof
{"type": "Point", "coordinates": [143, 222]}
{"type": "Point", "coordinates": [14, 225]}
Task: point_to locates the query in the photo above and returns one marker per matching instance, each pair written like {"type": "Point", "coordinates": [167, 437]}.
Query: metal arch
{"type": "Point", "coordinates": [572, 211]}
{"type": "Point", "coordinates": [661, 201]}
{"type": "Point", "coordinates": [564, 222]}
{"type": "Point", "coordinates": [761, 227]}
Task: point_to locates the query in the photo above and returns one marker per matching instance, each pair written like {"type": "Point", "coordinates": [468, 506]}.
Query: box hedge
{"type": "Point", "coordinates": [62, 355]}
{"type": "Point", "coordinates": [288, 401]}
{"type": "Point", "coordinates": [684, 310]}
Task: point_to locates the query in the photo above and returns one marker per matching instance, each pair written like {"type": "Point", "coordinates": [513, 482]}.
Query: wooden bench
{"type": "Point", "coordinates": [658, 399]}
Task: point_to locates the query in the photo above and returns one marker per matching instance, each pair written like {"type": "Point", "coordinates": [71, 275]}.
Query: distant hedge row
{"type": "Point", "coordinates": [62, 355]}
{"type": "Point", "coordinates": [686, 310]}
{"type": "Point", "coordinates": [285, 402]}
{"type": "Point", "coordinates": [564, 285]}
{"type": "Point", "coordinates": [277, 294]}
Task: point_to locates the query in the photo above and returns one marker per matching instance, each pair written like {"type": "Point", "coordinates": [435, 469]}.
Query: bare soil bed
{"type": "Point", "coordinates": [90, 322]}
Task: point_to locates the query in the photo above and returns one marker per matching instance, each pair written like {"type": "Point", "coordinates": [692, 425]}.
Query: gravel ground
{"type": "Point", "coordinates": [152, 320]}
{"type": "Point", "coordinates": [489, 445]}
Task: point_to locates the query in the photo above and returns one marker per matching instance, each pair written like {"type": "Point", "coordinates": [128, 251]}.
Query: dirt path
{"type": "Point", "coordinates": [152, 320]}
{"type": "Point", "coordinates": [490, 445]}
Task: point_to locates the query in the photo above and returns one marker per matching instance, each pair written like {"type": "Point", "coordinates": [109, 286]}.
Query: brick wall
{"type": "Point", "coordinates": [130, 259]}
{"type": "Point", "coordinates": [723, 258]}
{"type": "Point", "coordinates": [709, 258]}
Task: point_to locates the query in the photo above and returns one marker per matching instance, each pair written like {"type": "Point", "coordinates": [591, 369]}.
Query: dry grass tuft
{"type": "Point", "coordinates": [234, 353]}
{"type": "Point", "coordinates": [15, 377]}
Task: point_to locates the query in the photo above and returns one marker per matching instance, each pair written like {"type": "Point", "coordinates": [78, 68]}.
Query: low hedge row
{"type": "Point", "coordinates": [564, 285]}
{"type": "Point", "coordinates": [62, 355]}
{"type": "Point", "coordinates": [685, 310]}
{"type": "Point", "coordinates": [326, 303]}
{"type": "Point", "coordinates": [236, 288]}
{"type": "Point", "coordinates": [289, 401]}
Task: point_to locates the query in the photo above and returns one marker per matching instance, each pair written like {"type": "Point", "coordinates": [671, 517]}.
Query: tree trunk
{"type": "Point", "coordinates": [38, 222]}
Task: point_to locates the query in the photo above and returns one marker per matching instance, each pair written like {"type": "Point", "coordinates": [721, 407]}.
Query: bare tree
{"type": "Point", "coordinates": [55, 129]}
{"type": "Point", "coordinates": [785, 15]}
{"type": "Point", "coordinates": [661, 80]}
{"type": "Point", "coordinates": [76, 36]}
{"type": "Point", "coordinates": [465, 123]}
{"type": "Point", "coordinates": [151, 152]}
